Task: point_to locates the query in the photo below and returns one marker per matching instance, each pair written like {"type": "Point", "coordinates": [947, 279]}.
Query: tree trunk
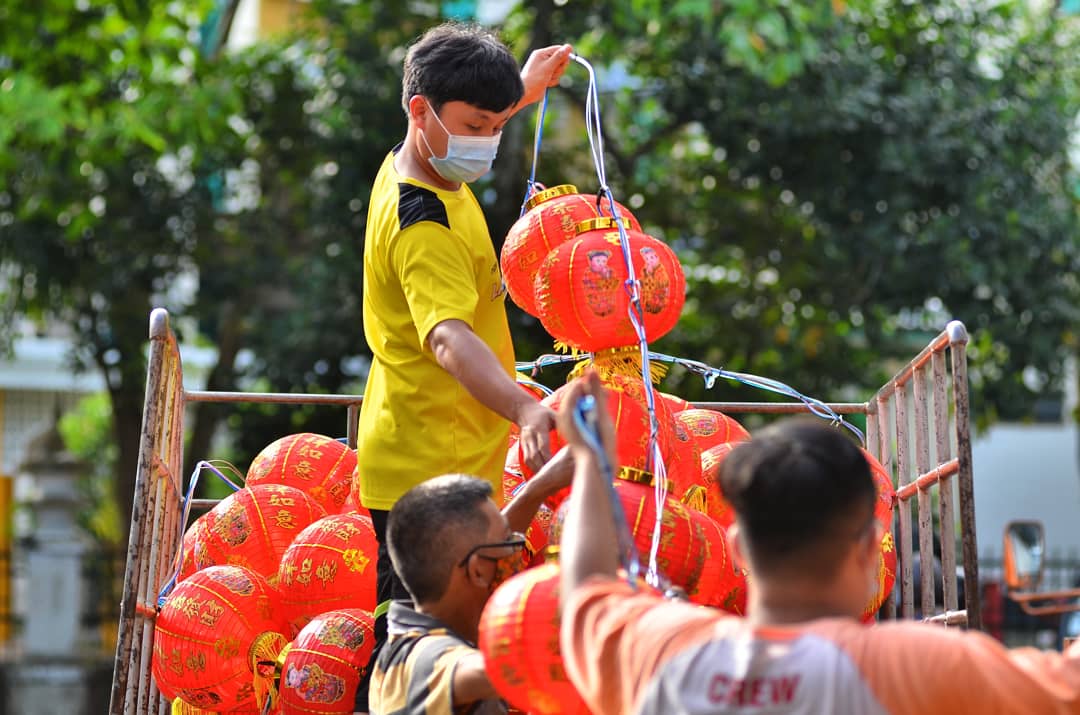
{"type": "Point", "coordinates": [206, 416]}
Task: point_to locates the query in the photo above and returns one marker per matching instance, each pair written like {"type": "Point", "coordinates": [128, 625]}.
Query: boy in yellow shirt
{"type": "Point", "coordinates": [441, 392]}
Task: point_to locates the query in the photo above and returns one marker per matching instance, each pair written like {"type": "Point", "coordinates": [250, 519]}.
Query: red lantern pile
{"type": "Point", "coordinates": [318, 465]}
{"type": "Point", "coordinates": [581, 295]}
{"type": "Point", "coordinates": [550, 220]}
{"type": "Point", "coordinates": [330, 565]}
{"type": "Point", "coordinates": [323, 667]}
{"type": "Point", "coordinates": [519, 637]}
{"type": "Point", "coordinates": [208, 631]}
{"type": "Point", "coordinates": [251, 528]}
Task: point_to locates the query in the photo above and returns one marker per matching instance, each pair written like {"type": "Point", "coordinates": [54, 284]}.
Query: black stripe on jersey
{"type": "Point", "coordinates": [416, 204]}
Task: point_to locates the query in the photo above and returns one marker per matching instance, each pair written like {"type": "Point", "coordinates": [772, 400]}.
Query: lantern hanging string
{"type": "Point", "coordinates": [215, 466]}
{"type": "Point", "coordinates": [654, 458]}
{"type": "Point", "coordinates": [531, 186]}
{"type": "Point", "coordinates": [710, 374]}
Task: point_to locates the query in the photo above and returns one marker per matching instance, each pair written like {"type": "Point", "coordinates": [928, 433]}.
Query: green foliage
{"type": "Point", "coordinates": [913, 169]}
{"type": "Point", "coordinates": [839, 179]}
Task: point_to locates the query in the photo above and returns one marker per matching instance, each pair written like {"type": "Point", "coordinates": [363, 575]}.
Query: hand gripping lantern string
{"type": "Point", "coordinates": [632, 286]}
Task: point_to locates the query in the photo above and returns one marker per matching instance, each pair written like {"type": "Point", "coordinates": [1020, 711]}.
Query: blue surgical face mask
{"type": "Point", "coordinates": [467, 158]}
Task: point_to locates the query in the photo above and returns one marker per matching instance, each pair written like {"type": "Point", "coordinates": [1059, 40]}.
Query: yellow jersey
{"type": "Point", "coordinates": [428, 257]}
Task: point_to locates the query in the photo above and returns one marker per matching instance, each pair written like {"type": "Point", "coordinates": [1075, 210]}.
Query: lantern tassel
{"type": "Point", "coordinates": [624, 361]}
{"type": "Point", "coordinates": [696, 497]}
{"type": "Point", "coordinates": [180, 707]}
{"type": "Point", "coordinates": [267, 658]}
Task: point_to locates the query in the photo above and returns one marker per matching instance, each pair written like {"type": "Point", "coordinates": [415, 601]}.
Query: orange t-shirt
{"type": "Point", "coordinates": [633, 653]}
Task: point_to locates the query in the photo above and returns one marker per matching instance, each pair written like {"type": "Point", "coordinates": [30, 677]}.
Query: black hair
{"type": "Point", "coordinates": [802, 491]}
{"type": "Point", "coordinates": [427, 523]}
{"type": "Point", "coordinates": [466, 63]}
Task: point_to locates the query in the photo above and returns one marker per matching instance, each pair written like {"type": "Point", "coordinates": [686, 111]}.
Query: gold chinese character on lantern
{"type": "Point", "coordinates": [355, 560]}
{"type": "Point", "coordinates": [327, 571]}
{"type": "Point", "coordinates": [285, 519]}
{"type": "Point", "coordinates": [278, 500]}
{"type": "Point", "coordinates": [304, 470]}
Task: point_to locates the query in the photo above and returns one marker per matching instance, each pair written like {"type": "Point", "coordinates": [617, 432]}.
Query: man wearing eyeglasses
{"type": "Point", "coordinates": [449, 544]}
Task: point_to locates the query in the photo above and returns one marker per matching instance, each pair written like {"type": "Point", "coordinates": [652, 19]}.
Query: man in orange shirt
{"type": "Point", "coordinates": [804, 498]}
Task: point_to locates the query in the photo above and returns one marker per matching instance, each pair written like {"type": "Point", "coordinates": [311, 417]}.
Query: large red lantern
{"type": "Point", "coordinates": [581, 295]}
{"type": "Point", "coordinates": [330, 565]}
{"type": "Point", "coordinates": [519, 637]}
{"type": "Point", "coordinates": [323, 666]}
{"type": "Point", "coordinates": [631, 423]}
{"type": "Point", "coordinates": [251, 528]}
{"type": "Point", "coordinates": [209, 632]}
{"type": "Point", "coordinates": [674, 402]}
{"type": "Point", "coordinates": [684, 470]}
{"type": "Point", "coordinates": [716, 505]}
{"type": "Point", "coordinates": [711, 428]}
{"type": "Point", "coordinates": [551, 219]}
{"type": "Point", "coordinates": [318, 465]}
{"type": "Point", "coordinates": [886, 574]}
{"type": "Point", "coordinates": [723, 582]}
{"type": "Point", "coordinates": [886, 495]}
{"type": "Point", "coordinates": [681, 556]}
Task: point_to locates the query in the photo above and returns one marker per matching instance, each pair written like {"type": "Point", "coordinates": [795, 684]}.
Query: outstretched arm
{"type": "Point", "coordinates": [589, 543]}
{"type": "Point", "coordinates": [468, 358]}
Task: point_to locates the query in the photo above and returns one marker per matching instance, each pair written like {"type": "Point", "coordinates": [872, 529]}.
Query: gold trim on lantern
{"type": "Point", "coordinates": [593, 224]}
{"type": "Point", "coordinates": [551, 553]}
{"type": "Point", "coordinates": [548, 194]}
{"type": "Point", "coordinates": [640, 476]}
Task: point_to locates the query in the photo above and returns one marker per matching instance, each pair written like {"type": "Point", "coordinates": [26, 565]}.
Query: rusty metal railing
{"type": "Point", "coordinates": [924, 408]}
{"type": "Point", "coordinates": [921, 416]}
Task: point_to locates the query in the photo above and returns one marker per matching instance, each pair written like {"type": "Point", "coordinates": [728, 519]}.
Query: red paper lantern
{"type": "Point", "coordinates": [551, 219]}
{"type": "Point", "coordinates": [352, 506]}
{"type": "Point", "coordinates": [716, 505]}
{"type": "Point", "coordinates": [323, 667]}
{"type": "Point", "coordinates": [886, 495]}
{"type": "Point", "coordinates": [723, 582]}
{"type": "Point", "coordinates": [251, 527]}
{"type": "Point", "coordinates": [886, 575]}
{"type": "Point", "coordinates": [519, 637]}
{"type": "Point", "coordinates": [207, 632]}
{"type": "Point", "coordinates": [631, 422]}
{"type": "Point", "coordinates": [193, 550]}
{"type": "Point", "coordinates": [674, 402]}
{"type": "Point", "coordinates": [685, 468]}
{"type": "Point", "coordinates": [711, 428]}
{"type": "Point", "coordinates": [681, 556]}
{"type": "Point", "coordinates": [318, 465]}
{"type": "Point", "coordinates": [330, 565]}
{"type": "Point", "coordinates": [580, 288]}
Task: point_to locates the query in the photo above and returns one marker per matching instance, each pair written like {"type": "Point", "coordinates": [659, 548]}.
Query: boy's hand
{"type": "Point", "coordinates": [543, 69]}
{"type": "Point", "coordinates": [557, 474]}
{"type": "Point", "coordinates": [536, 422]}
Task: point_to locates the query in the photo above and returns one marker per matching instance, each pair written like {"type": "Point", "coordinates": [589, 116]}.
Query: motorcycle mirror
{"type": "Point", "coordinates": [1024, 555]}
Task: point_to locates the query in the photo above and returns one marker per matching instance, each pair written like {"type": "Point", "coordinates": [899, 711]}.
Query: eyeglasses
{"type": "Point", "coordinates": [516, 540]}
